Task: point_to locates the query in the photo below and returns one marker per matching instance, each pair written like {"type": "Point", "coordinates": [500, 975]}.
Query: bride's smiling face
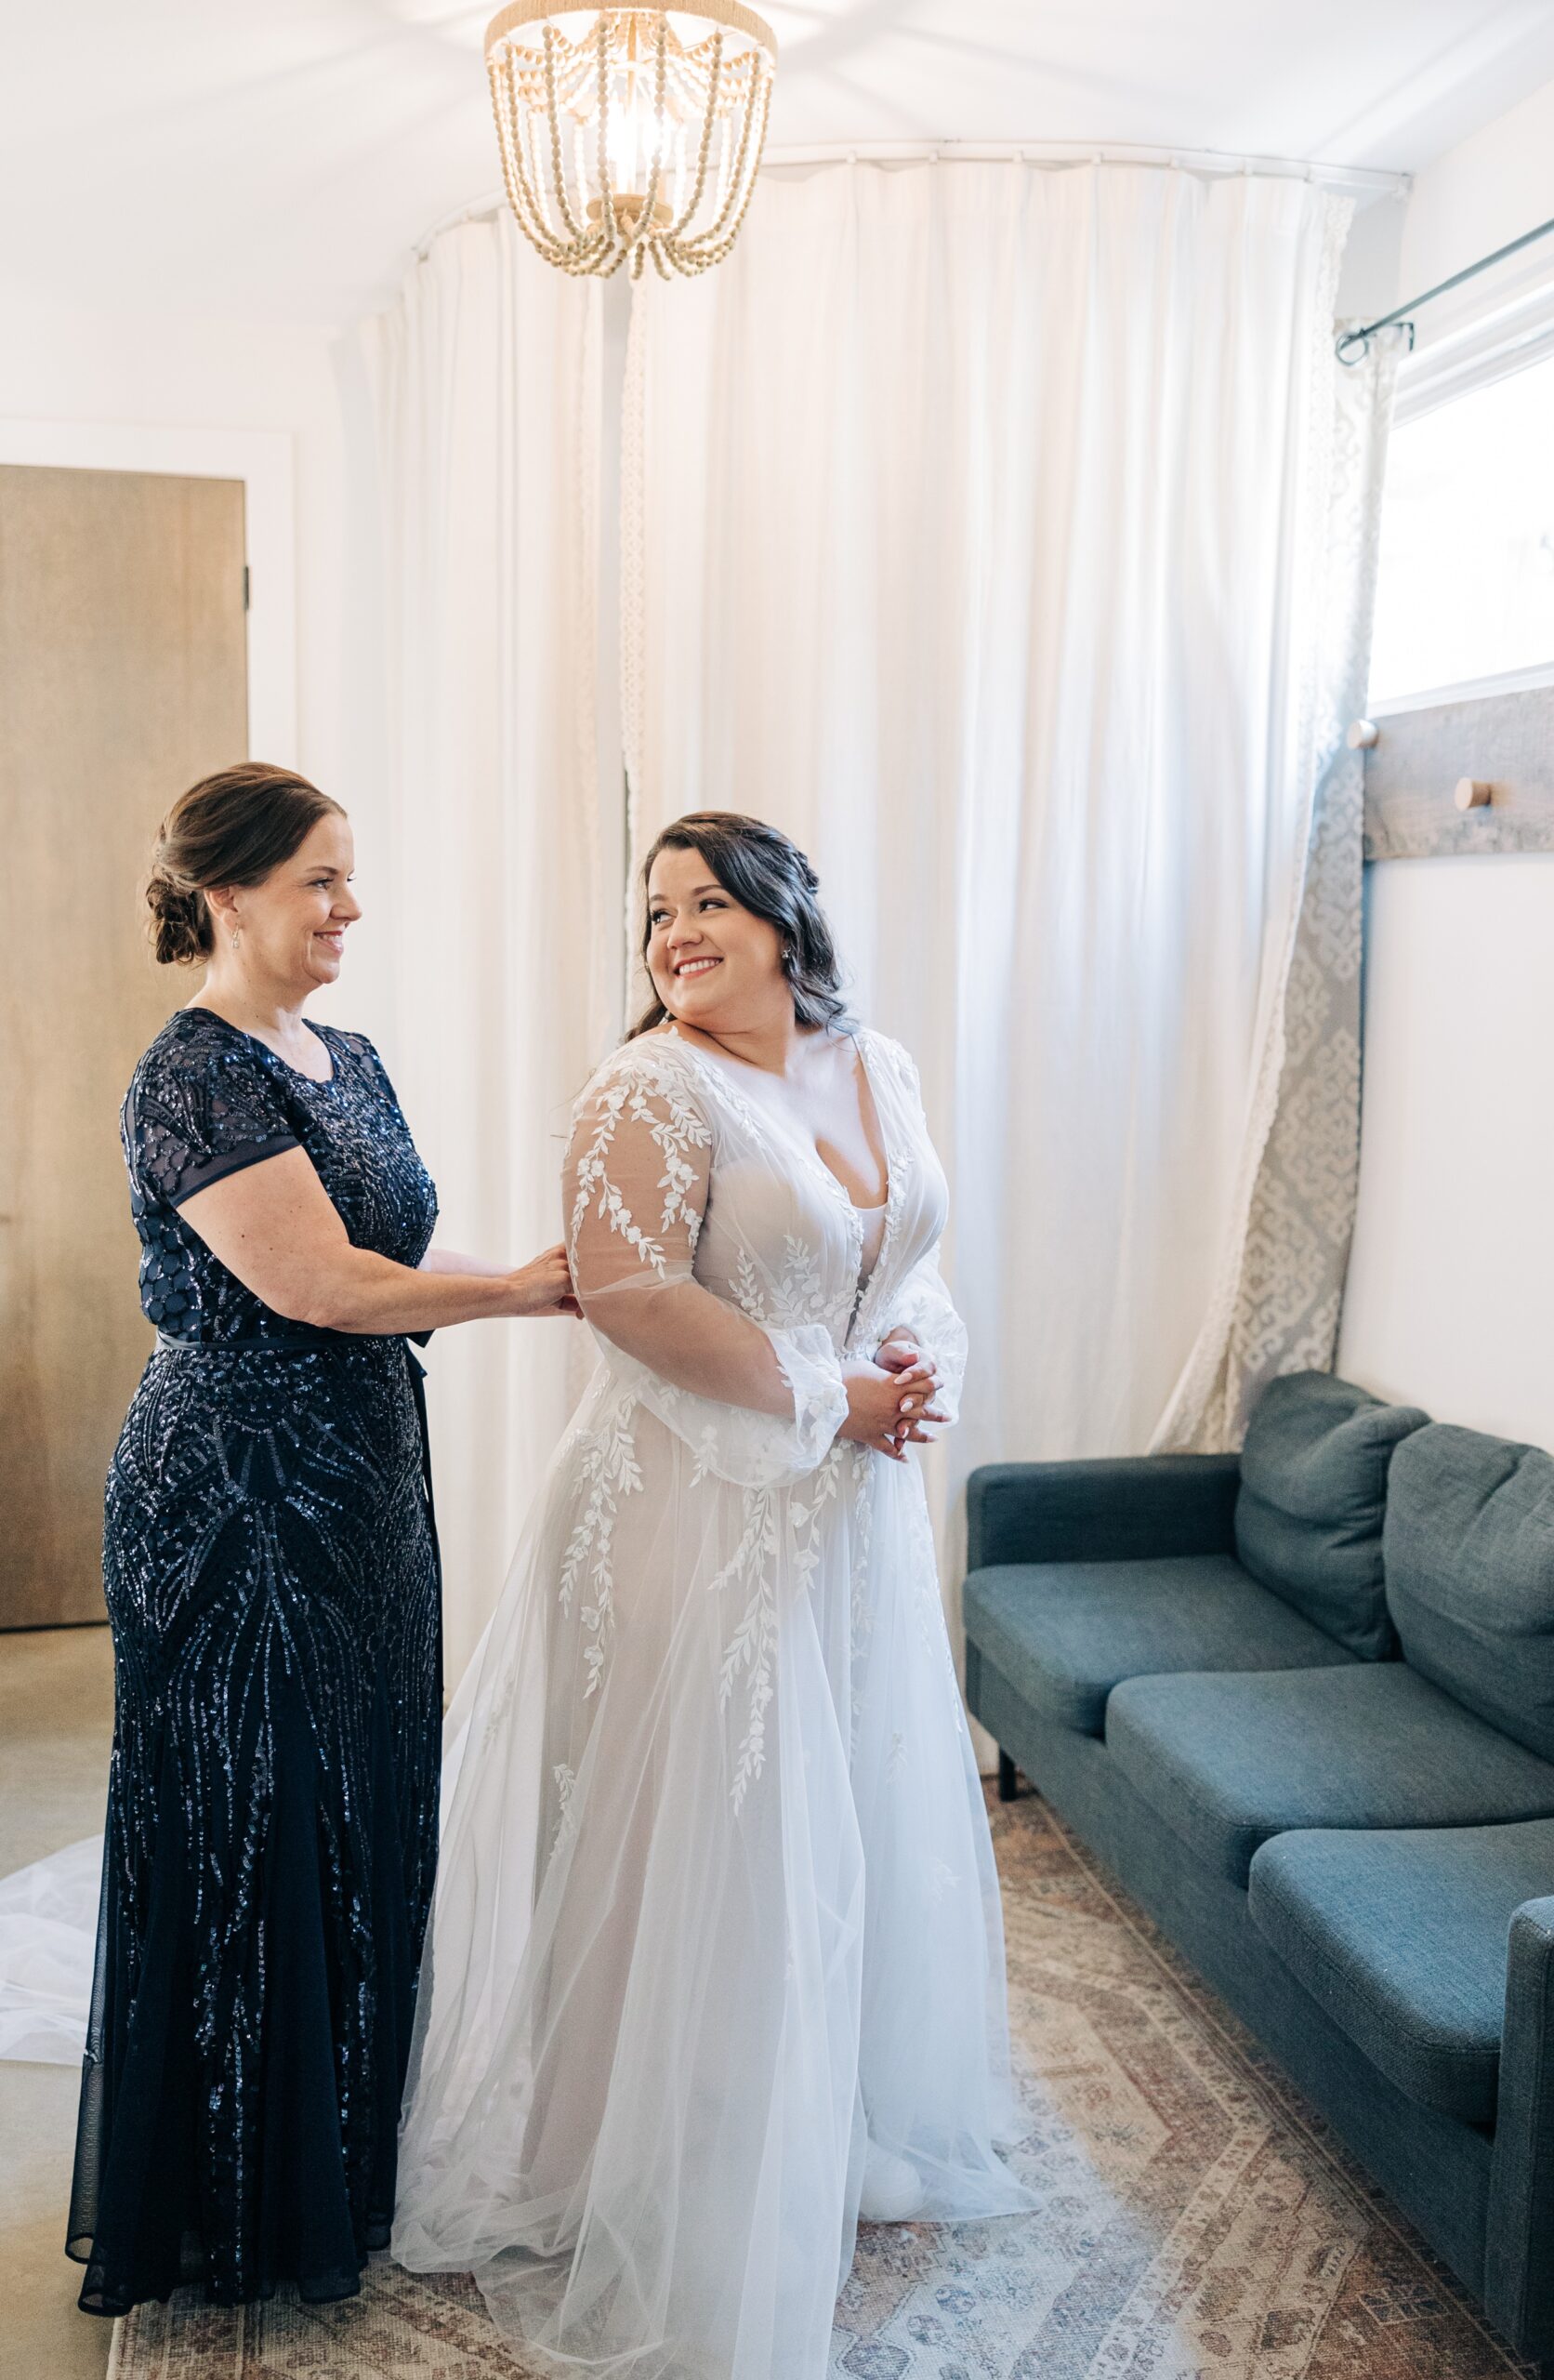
{"type": "Point", "coordinates": [712, 961]}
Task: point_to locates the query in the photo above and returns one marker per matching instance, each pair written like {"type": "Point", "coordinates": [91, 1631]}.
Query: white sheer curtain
{"type": "Point", "coordinates": [1280, 1293]}
{"type": "Point", "coordinates": [483, 385]}
{"type": "Point", "coordinates": [976, 532]}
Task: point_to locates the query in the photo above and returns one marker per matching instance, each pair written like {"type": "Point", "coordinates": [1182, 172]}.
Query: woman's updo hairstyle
{"type": "Point", "coordinates": [231, 829]}
{"type": "Point", "coordinates": [769, 875]}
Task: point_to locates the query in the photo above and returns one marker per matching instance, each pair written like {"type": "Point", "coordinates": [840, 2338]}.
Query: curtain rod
{"type": "Point", "coordinates": [1033, 152]}
{"type": "Point", "coordinates": [1361, 339]}
{"type": "Point", "coordinates": [1089, 153]}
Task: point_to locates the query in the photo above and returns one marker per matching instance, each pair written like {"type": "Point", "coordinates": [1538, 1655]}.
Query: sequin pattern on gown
{"type": "Point", "coordinates": [271, 1580]}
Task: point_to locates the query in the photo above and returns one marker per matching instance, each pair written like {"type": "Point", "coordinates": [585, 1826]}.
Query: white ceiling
{"type": "Point", "coordinates": [276, 159]}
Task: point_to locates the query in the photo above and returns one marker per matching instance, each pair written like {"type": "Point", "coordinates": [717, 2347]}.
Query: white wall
{"type": "Point", "coordinates": [1450, 1300]}
{"type": "Point", "coordinates": [1490, 189]}
{"type": "Point", "coordinates": [60, 364]}
{"type": "Point", "coordinates": [1451, 1290]}
{"type": "Point", "coordinates": [1368, 282]}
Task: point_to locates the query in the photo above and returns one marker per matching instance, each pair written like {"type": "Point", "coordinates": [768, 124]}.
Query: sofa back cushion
{"type": "Point", "coordinates": [1470, 1547]}
{"type": "Point", "coordinates": [1312, 1498]}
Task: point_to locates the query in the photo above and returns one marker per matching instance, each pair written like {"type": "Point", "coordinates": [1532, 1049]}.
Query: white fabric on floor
{"type": "Point", "coordinates": [976, 531]}
{"type": "Point", "coordinates": [48, 1916]}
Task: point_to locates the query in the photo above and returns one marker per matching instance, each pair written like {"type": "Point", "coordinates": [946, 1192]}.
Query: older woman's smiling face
{"type": "Point", "coordinates": [293, 924]}
{"type": "Point", "coordinates": [713, 963]}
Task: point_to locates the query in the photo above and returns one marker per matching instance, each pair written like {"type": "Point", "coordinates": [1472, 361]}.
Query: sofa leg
{"type": "Point", "coordinates": [1008, 1788]}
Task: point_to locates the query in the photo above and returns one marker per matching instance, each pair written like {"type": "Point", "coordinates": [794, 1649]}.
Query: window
{"type": "Point", "coordinates": [1465, 588]}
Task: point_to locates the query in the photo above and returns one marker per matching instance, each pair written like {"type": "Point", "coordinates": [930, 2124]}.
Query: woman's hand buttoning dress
{"type": "Point", "coordinates": [717, 1958]}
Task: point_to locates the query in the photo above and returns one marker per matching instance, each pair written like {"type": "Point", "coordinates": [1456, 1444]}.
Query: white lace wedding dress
{"type": "Point", "coordinates": [716, 1906]}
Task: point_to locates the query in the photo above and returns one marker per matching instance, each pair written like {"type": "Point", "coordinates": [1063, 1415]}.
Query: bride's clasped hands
{"type": "Point", "coordinates": [890, 1400]}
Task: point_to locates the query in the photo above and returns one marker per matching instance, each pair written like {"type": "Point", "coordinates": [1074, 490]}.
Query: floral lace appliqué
{"type": "Point", "coordinates": [608, 1470]}
{"type": "Point", "coordinates": [798, 1293]}
{"type": "Point", "coordinates": [751, 1651]}
{"type": "Point", "coordinates": [673, 1123]}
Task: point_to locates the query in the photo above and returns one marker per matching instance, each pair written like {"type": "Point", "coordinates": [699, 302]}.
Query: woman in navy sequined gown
{"type": "Point", "coordinates": [271, 1579]}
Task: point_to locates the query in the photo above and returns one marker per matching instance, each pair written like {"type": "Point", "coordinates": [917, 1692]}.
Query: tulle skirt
{"type": "Point", "coordinates": [47, 1938]}
{"type": "Point", "coordinates": [716, 1908]}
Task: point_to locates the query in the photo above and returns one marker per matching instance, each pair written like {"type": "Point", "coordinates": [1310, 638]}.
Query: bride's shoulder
{"type": "Point", "coordinates": [657, 1063]}
{"type": "Point", "coordinates": [892, 1059]}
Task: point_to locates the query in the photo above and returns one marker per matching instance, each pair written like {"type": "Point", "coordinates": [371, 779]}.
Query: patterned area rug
{"type": "Point", "coordinates": [1199, 2223]}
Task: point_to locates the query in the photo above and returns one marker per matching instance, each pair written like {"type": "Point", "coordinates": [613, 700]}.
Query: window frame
{"type": "Point", "coordinates": [1488, 333]}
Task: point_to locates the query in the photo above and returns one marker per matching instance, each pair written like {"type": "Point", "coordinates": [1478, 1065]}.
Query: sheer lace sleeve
{"type": "Point", "coordinates": [760, 1406]}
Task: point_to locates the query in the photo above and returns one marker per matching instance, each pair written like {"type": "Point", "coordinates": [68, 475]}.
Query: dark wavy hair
{"type": "Point", "coordinates": [767, 874]}
{"type": "Point", "coordinates": [231, 829]}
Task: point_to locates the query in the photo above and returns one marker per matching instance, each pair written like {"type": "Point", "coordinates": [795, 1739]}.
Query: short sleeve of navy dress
{"type": "Point", "coordinates": [271, 1579]}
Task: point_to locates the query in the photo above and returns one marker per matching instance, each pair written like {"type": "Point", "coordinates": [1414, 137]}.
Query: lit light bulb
{"type": "Point", "coordinates": [635, 142]}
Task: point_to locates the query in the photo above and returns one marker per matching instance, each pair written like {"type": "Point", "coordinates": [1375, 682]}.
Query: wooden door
{"type": "Point", "coordinates": [123, 678]}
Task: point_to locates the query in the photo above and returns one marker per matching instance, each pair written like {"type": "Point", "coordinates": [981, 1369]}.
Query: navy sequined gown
{"type": "Point", "coordinates": [271, 1579]}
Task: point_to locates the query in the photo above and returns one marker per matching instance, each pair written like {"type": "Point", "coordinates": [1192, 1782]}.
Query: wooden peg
{"type": "Point", "coordinates": [1473, 793]}
{"type": "Point", "coordinates": [1363, 735]}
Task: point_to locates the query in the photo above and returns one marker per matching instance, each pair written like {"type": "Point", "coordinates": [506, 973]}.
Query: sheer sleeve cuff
{"type": "Point", "coordinates": [810, 1364]}
{"type": "Point", "coordinates": [748, 1448]}
{"type": "Point", "coordinates": [923, 1306]}
{"type": "Point", "coordinates": [192, 1178]}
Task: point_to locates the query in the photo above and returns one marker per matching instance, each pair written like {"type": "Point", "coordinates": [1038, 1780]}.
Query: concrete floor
{"type": "Point", "coordinates": [56, 1720]}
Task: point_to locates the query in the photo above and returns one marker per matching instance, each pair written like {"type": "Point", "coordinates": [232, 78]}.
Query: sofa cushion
{"type": "Point", "coordinates": [1230, 1761]}
{"type": "Point", "coordinates": [1470, 1574]}
{"type": "Point", "coordinates": [1401, 1935]}
{"type": "Point", "coordinates": [1314, 1492]}
{"type": "Point", "coordinates": [1064, 1633]}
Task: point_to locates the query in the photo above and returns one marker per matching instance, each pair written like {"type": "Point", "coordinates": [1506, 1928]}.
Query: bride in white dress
{"type": "Point", "coordinates": [715, 1962]}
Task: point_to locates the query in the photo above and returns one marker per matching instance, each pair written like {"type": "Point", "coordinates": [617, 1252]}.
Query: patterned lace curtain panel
{"type": "Point", "coordinates": [1005, 534]}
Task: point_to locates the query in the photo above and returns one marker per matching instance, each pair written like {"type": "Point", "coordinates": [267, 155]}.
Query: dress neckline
{"type": "Point", "coordinates": [868, 1284]}
{"type": "Point", "coordinates": [320, 1082]}
{"type": "Point", "coordinates": [876, 1206]}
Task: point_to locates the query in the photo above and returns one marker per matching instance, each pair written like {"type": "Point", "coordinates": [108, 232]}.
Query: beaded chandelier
{"type": "Point", "coordinates": [630, 132]}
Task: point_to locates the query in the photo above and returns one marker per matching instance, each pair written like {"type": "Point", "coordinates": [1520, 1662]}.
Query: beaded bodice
{"type": "Point", "coordinates": [207, 1100]}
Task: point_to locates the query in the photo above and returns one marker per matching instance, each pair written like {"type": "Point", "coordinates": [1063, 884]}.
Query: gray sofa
{"type": "Point", "coordinates": [1301, 1703]}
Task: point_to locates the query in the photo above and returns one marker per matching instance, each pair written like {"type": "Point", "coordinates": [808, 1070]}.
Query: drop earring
{"type": "Point", "coordinates": [236, 936]}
